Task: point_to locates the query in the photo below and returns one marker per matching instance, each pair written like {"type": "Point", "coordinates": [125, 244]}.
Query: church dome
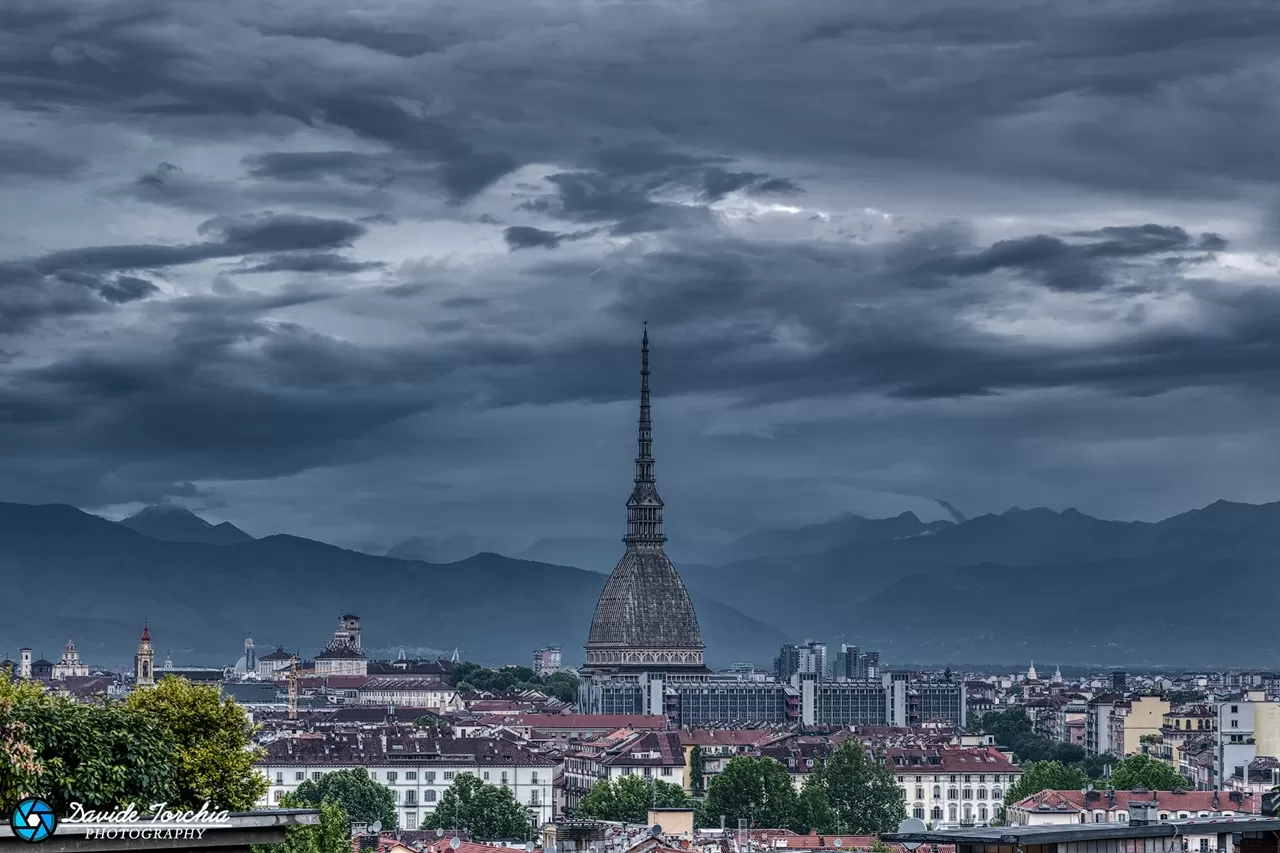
{"type": "Point", "coordinates": [645, 605]}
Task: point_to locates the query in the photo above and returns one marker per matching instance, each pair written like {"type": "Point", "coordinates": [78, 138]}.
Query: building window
{"type": "Point", "coordinates": [533, 779]}
{"type": "Point", "coordinates": [937, 792]}
{"type": "Point", "coordinates": [275, 796]}
{"type": "Point", "coordinates": [411, 820]}
{"type": "Point", "coordinates": [919, 793]}
{"type": "Point", "coordinates": [1235, 724]}
{"type": "Point", "coordinates": [431, 777]}
{"type": "Point", "coordinates": [951, 813]}
{"type": "Point", "coordinates": [373, 774]}
{"type": "Point", "coordinates": [410, 798]}
{"type": "Point", "coordinates": [936, 814]}
{"type": "Point", "coordinates": [1235, 709]}
{"type": "Point", "coordinates": [486, 775]}
{"type": "Point", "coordinates": [666, 771]}
{"type": "Point", "coordinates": [448, 776]}
{"type": "Point", "coordinates": [968, 793]}
{"type": "Point", "coordinates": [411, 774]}
{"type": "Point", "coordinates": [392, 776]}
{"type": "Point", "coordinates": [504, 776]}
{"type": "Point", "coordinates": [315, 774]}
{"type": "Point", "coordinates": [299, 776]}
{"type": "Point", "coordinates": [429, 796]}
{"type": "Point", "coordinates": [982, 813]}
{"type": "Point", "coordinates": [996, 795]}
{"type": "Point", "coordinates": [279, 777]}
{"type": "Point", "coordinates": [533, 798]}
{"type": "Point", "coordinates": [952, 793]}
{"type": "Point", "coordinates": [982, 793]}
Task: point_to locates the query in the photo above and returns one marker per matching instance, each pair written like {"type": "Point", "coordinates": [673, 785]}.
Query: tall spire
{"type": "Point", "coordinates": [644, 507]}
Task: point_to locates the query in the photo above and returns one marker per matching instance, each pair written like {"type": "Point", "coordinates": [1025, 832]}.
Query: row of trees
{"type": "Point", "coordinates": [472, 676]}
{"type": "Point", "coordinates": [1136, 771]}
{"type": "Point", "coordinates": [845, 793]}
{"type": "Point", "coordinates": [176, 743]}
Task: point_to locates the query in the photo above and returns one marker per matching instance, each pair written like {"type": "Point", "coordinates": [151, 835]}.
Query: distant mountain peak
{"type": "Point", "coordinates": [174, 523]}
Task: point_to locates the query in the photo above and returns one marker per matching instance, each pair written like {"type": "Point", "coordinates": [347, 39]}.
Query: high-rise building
{"type": "Point", "coordinates": [546, 661]}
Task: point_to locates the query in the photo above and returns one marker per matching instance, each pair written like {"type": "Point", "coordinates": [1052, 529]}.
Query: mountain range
{"type": "Point", "coordinates": [1023, 584]}
{"type": "Point", "coordinates": [96, 581]}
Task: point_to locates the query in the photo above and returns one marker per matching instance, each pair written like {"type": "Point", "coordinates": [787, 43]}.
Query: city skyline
{"type": "Point", "coordinates": [988, 253]}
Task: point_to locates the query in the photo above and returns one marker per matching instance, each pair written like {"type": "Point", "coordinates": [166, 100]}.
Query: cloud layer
{"type": "Point", "coordinates": [378, 271]}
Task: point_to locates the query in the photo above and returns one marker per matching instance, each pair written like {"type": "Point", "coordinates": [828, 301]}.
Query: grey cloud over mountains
{"type": "Point", "coordinates": [993, 242]}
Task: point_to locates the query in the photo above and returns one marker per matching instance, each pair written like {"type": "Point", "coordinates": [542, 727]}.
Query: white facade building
{"type": "Point", "coordinates": [417, 769]}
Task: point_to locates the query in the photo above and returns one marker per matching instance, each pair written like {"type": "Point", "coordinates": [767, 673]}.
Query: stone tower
{"type": "Point", "coordinates": [144, 663]}
{"type": "Point", "coordinates": [250, 656]}
{"type": "Point", "coordinates": [24, 663]}
{"type": "Point", "coordinates": [644, 619]}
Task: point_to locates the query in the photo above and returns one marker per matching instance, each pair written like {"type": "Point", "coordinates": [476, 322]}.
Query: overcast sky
{"type": "Point", "coordinates": [370, 270]}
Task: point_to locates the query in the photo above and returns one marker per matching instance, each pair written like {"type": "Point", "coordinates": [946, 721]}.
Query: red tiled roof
{"type": "Point", "coordinates": [581, 722]}
{"type": "Point", "coordinates": [725, 737]}
{"type": "Point", "coordinates": [984, 759]}
{"type": "Point", "coordinates": [640, 751]}
{"type": "Point", "coordinates": [1174, 801]}
{"type": "Point", "coordinates": [442, 846]}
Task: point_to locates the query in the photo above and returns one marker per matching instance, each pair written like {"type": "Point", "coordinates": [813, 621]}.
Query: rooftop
{"type": "Point", "coordinates": [1066, 833]}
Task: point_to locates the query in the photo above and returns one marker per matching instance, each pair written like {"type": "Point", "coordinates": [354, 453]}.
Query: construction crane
{"type": "Point", "coordinates": [291, 676]}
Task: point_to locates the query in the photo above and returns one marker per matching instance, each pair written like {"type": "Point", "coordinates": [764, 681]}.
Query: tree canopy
{"type": "Point", "coordinates": [1141, 771]}
{"type": "Point", "coordinates": [849, 793]}
{"type": "Point", "coordinates": [1012, 728]}
{"type": "Point", "coordinates": [362, 799]}
{"type": "Point", "coordinates": [561, 685]}
{"type": "Point", "coordinates": [629, 798]}
{"type": "Point", "coordinates": [758, 790]}
{"type": "Point", "coordinates": [485, 811]}
{"type": "Point", "coordinates": [213, 739]}
{"type": "Point", "coordinates": [331, 835]}
{"type": "Point", "coordinates": [98, 754]}
{"type": "Point", "coordinates": [1045, 776]}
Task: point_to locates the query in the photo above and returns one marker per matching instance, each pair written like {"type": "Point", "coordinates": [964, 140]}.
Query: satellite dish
{"type": "Point", "coordinates": [837, 842]}
{"type": "Point", "coordinates": [376, 827]}
{"type": "Point", "coordinates": [440, 833]}
{"type": "Point", "coordinates": [455, 843]}
{"type": "Point", "coordinates": [655, 830]}
{"type": "Point", "coordinates": [910, 826]}
{"type": "Point", "coordinates": [528, 847]}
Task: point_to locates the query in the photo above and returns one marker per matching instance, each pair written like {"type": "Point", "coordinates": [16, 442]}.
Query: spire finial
{"type": "Point", "coordinates": [644, 508]}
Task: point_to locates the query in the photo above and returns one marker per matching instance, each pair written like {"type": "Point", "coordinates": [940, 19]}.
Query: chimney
{"type": "Point", "coordinates": [1142, 812]}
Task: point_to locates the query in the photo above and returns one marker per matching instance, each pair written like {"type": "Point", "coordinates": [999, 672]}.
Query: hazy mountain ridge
{"type": "Point", "coordinates": [1090, 589]}
{"type": "Point", "coordinates": [289, 590]}
{"type": "Point", "coordinates": [176, 524]}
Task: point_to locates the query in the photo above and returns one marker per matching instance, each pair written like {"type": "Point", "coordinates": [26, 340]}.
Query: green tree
{"type": "Point", "coordinates": [331, 835]}
{"type": "Point", "coordinates": [98, 754]}
{"type": "Point", "coordinates": [472, 676]}
{"type": "Point", "coordinates": [879, 846]}
{"type": "Point", "coordinates": [1045, 776]}
{"type": "Point", "coordinates": [813, 808]}
{"type": "Point", "coordinates": [362, 799]}
{"type": "Point", "coordinates": [629, 798]}
{"type": "Point", "coordinates": [213, 738]}
{"type": "Point", "coordinates": [756, 789]}
{"type": "Point", "coordinates": [1142, 771]}
{"type": "Point", "coordinates": [19, 764]}
{"type": "Point", "coordinates": [862, 796]}
{"type": "Point", "coordinates": [485, 811]}
{"type": "Point", "coordinates": [697, 769]}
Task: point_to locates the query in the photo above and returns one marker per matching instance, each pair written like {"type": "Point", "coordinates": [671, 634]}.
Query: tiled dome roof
{"type": "Point", "coordinates": [645, 605]}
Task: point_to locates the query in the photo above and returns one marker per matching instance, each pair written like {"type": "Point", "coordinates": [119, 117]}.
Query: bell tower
{"type": "Point", "coordinates": [144, 664]}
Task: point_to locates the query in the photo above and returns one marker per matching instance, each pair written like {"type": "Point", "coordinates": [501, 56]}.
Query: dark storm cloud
{"type": "Point", "coordinates": [526, 237]}
{"type": "Point", "coordinates": [322, 262]}
{"type": "Point", "coordinates": [28, 160]}
{"type": "Point", "coordinates": [1090, 263]}
{"type": "Point", "coordinates": [85, 280]}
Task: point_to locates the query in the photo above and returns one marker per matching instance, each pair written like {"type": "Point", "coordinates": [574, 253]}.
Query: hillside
{"type": "Point", "coordinates": [1055, 585]}
{"type": "Point", "coordinates": [202, 599]}
{"type": "Point", "coordinates": [176, 524]}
